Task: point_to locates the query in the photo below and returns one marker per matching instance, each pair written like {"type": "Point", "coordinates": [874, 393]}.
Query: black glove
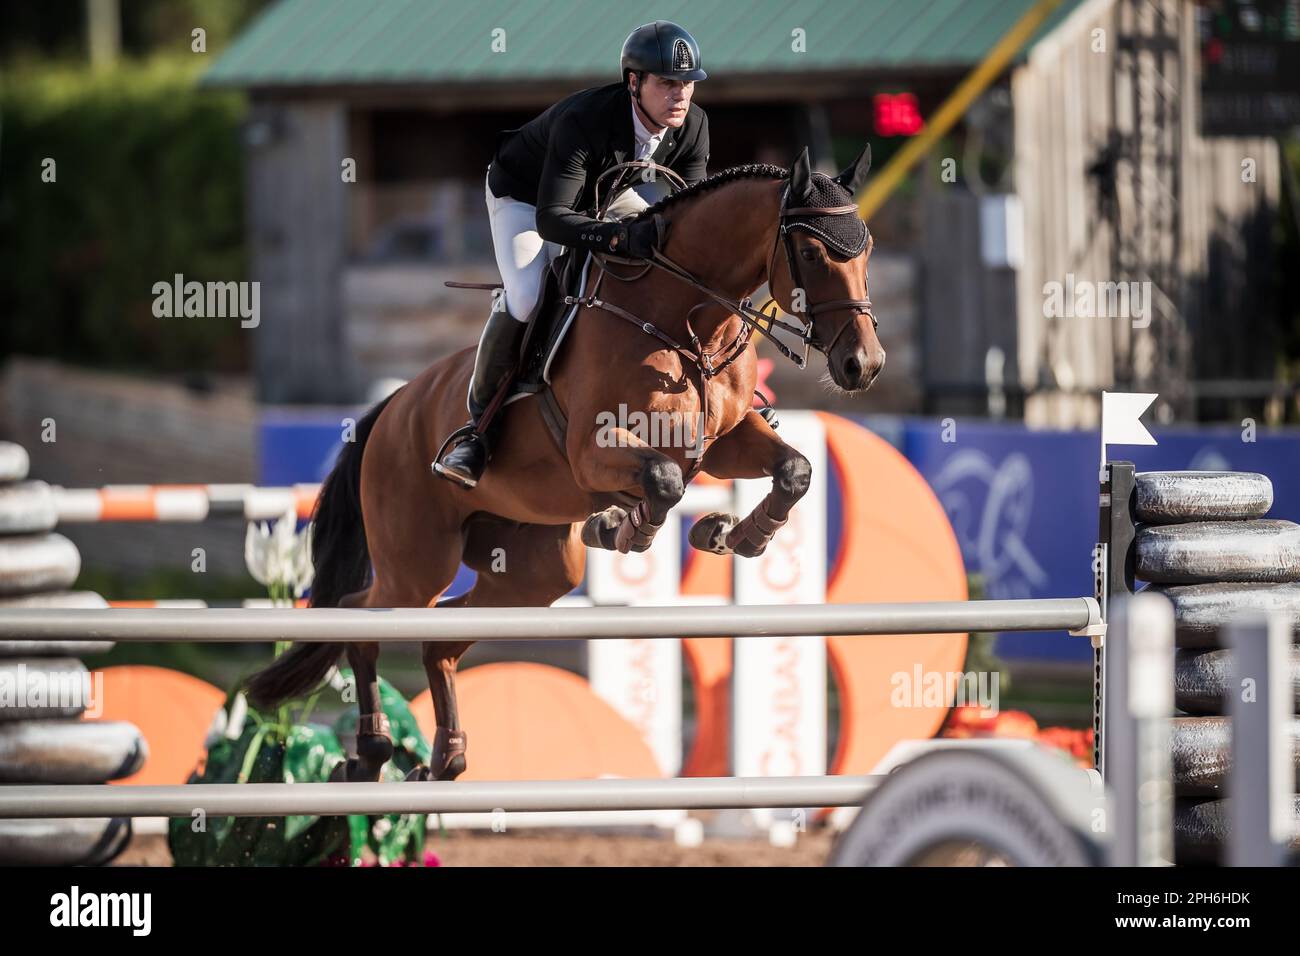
{"type": "Point", "coordinates": [643, 237]}
{"type": "Point", "coordinates": [632, 240]}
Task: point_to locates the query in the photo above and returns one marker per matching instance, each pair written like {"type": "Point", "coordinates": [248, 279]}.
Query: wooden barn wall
{"type": "Point", "coordinates": [298, 232]}
{"type": "Point", "coordinates": [969, 307]}
{"type": "Point", "coordinates": [1063, 99]}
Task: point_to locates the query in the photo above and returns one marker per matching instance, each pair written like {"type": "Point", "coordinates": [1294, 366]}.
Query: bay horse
{"type": "Point", "coordinates": [389, 533]}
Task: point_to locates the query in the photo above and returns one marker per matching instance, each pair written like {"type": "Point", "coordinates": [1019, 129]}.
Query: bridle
{"type": "Point", "coordinates": [755, 320]}
{"type": "Point", "coordinates": [783, 237]}
{"type": "Point", "coordinates": [710, 363]}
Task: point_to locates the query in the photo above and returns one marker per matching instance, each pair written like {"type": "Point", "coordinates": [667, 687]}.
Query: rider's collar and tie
{"type": "Point", "coordinates": [646, 142]}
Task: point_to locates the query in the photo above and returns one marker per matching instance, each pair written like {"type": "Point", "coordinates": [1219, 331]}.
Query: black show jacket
{"type": "Point", "coordinates": [553, 160]}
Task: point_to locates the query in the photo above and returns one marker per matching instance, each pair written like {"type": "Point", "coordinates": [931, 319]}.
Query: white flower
{"type": "Point", "coordinates": [280, 556]}
{"type": "Point", "coordinates": [238, 715]}
{"type": "Point", "coordinates": [255, 542]}
{"type": "Point", "coordinates": [283, 536]}
{"type": "Point", "coordinates": [303, 570]}
{"type": "Point", "coordinates": [217, 729]}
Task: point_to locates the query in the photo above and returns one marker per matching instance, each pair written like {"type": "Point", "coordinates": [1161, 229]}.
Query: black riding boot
{"type": "Point", "coordinates": [497, 353]}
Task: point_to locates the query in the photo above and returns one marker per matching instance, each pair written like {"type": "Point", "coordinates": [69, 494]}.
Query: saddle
{"type": "Point", "coordinates": [545, 330]}
{"type": "Point", "coordinates": [549, 321]}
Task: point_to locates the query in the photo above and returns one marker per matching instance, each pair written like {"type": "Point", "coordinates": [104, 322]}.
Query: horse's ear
{"type": "Point", "coordinates": [856, 174]}
{"type": "Point", "coordinates": [801, 176]}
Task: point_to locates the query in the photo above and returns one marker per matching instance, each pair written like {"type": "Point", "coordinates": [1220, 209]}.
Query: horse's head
{"type": "Point", "coordinates": [822, 277]}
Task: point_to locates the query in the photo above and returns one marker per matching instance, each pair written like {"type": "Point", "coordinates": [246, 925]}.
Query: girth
{"type": "Point", "coordinates": [557, 425]}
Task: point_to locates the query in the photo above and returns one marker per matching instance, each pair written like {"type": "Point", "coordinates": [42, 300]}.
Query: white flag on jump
{"type": "Point", "coordinates": [1121, 424]}
{"type": "Point", "coordinates": [1121, 414]}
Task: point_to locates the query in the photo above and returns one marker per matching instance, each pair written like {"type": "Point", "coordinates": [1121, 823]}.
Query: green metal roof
{"type": "Point", "coordinates": [333, 42]}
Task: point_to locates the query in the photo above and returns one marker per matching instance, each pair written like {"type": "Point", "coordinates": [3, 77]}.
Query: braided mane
{"type": "Point", "coordinates": [748, 171]}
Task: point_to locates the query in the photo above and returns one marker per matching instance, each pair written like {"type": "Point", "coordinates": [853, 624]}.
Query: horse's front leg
{"type": "Point", "coordinates": [752, 450]}
{"type": "Point", "coordinates": [620, 464]}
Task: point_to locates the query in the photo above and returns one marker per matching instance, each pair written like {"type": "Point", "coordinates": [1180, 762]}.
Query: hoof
{"type": "Point", "coordinates": [710, 532]}
{"type": "Point", "coordinates": [455, 767]}
{"type": "Point", "coordinates": [350, 772]}
{"type": "Point", "coordinates": [601, 529]}
{"type": "Point", "coordinates": [422, 774]}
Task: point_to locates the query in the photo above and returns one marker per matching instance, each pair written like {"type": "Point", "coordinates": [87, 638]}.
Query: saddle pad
{"type": "Point", "coordinates": [551, 322]}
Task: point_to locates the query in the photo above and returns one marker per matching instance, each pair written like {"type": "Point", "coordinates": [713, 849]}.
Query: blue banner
{"type": "Point", "coordinates": [1024, 503]}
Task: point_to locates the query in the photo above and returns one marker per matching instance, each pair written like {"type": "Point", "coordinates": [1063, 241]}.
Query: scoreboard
{"type": "Point", "coordinates": [1250, 66]}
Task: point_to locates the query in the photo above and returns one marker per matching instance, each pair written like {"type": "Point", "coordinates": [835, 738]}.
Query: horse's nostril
{"type": "Point", "coordinates": [852, 367]}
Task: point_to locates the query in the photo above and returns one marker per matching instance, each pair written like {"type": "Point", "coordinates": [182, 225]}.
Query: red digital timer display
{"type": "Point", "coordinates": [897, 114]}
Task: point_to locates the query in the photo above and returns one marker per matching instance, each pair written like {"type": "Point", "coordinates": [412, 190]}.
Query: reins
{"type": "Point", "coordinates": [754, 319]}
{"type": "Point", "coordinates": [751, 318]}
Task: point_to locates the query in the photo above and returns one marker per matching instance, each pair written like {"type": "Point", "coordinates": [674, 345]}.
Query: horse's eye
{"type": "Point", "coordinates": [809, 255]}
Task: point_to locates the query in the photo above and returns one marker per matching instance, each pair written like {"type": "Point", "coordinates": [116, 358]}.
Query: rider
{"type": "Point", "coordinates": [540, 188]}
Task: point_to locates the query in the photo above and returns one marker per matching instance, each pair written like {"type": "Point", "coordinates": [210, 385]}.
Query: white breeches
{"type": "Point", "coordinates": [523, 255]}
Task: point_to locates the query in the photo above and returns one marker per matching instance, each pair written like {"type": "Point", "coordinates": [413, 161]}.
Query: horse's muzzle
{"type": "Point", "coordinates": [856, 368]}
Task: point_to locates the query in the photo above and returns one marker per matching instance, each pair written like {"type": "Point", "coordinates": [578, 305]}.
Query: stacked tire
{"type": "Point", "coordinates": [1204, 541]}
{"type": "Point", "coordinates": [45, 736]}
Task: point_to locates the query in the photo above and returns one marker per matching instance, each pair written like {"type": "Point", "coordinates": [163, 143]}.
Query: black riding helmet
{"type": "Point", "coordinates": [662, 48]}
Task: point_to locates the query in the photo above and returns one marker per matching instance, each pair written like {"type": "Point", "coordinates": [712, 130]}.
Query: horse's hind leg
{"type": "Point", "coordinates": [447, 750]}
{"type": "Point", "coordinates": [518, 565]}
{"type": "Point", "coordinates": [422, 575]}
{"type": "Point", "coordinates": [374, 737]}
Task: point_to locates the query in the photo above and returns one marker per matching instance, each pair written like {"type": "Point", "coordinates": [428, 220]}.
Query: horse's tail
{"type": "Point", "coordinates": [341, 562]}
